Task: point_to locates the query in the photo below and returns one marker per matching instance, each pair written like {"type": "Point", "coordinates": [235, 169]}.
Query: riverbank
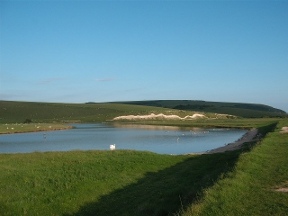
{"type": "Point", "coordinates": [258, 183]}
{"type": "Point", "coordinates": [37, 127]}
{"type": "Point", "coordinates": [126, 182]}
{"type": "Point", "coordinates": [250, 136]}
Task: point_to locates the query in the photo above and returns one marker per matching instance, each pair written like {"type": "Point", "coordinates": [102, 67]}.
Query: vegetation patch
{"type": "Point", "coordinates": [244, 110]}
{"type": "Point", "coordinates": [106, 182]}
{"type": "Point", "coordinates": [247, 189]}
{"type": "Point", "coordinates": [22, 128]}
{"type": "Point", "coordinates": [240, 182]}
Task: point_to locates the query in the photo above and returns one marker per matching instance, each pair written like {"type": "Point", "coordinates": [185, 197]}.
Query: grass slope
{"type": "Point", "coordinates": [23, 128]}
{"type": "Point", "coordinates": [239, 109]}
{"type": "Point", "coordinates": [105, 182]}
{"type": "Point", "coordinates": [51, 116]}
{"type": "Point", "coordinates": [251, 188]}
{"type": "Point", "coordinates": [19, 112]}
{"type": "Point", "coordinates": [12, 112]}
{"type": "Point", "coordinates": [143, 183]}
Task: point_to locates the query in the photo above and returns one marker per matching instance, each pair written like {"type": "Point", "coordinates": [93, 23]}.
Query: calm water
{"type": "Point", "coordinates": [159, 139]}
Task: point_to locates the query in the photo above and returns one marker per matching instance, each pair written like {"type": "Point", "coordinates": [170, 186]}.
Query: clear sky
{"type": "Point", "coordinates": [81, 51]}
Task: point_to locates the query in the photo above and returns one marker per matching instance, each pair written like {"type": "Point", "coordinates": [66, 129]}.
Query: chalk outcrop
{"type": "Point", "coordinates": [160, 116]}
{"type": "Point", "coordinates": [284, 130]}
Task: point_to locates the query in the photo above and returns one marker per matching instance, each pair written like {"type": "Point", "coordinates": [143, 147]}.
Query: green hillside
{"type": "Point", "coordinates": [245, 110]}
{"type": "Point", "coordinates": [20, 112]}
{"type": "Point", "coordinates": [11, 112]}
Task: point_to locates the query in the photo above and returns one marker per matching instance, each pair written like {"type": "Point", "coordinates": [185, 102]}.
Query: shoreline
{"type": "Point", "coordinates": [247, 137]}
{"type": "Point", "coordinates": [31, 128]}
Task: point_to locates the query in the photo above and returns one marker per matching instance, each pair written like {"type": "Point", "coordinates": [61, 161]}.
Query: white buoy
{"type": "Point", "coordinates": [112, 147]}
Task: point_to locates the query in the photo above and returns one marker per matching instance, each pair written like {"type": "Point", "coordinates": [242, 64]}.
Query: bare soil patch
{"type": "Point", "coordinates": [284, 130]}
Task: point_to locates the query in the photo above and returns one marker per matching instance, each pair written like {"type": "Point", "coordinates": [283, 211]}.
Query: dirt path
{"type": "Point", "coordinates": [247, 137]}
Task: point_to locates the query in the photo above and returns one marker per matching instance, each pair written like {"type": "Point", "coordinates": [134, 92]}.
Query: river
{"type": "Point", "coordinates": [158, 139]}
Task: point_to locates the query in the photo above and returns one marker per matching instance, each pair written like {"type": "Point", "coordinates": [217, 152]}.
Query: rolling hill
{"type": "Point", "coordinates": [245, 110]}
{"type": "Point", "coordinates": [12, 111]}
{"type": "Point", "coordinates": [20, 112]}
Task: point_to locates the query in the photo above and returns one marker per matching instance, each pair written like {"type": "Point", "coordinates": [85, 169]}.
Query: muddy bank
{"type": "Point", "coordinates": [247, 137]}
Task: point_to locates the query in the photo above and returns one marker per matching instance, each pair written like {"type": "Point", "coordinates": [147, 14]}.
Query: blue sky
{"type": "Point", "coordinates": [80, 51]}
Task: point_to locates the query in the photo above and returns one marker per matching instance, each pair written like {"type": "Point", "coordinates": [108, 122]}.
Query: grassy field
{"type": "Point", "coordinates": [251, 189]}
{"type": "Point", "coordinates": [105, 183]}
{"type": "Point", "coordinates": [245, 110]}
{"type": "Point", "coordinates": [18, 112]}
{"type": "Point", "coordinates": [51, 116]}
{"type": "Point", "coordinates": [23, 128]}
{"type": "Point", "coordinates": [242, 182]}
{"type": "Point", "coordinates": [141, 183]}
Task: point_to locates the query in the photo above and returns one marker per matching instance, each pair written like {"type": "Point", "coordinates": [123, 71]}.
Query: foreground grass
{"type": "Point", "coordinates": [105, 182]}
{"type": "Point", "coordinates": [251, 188]}
{"type": "Point", "coordinates": [143, 183]}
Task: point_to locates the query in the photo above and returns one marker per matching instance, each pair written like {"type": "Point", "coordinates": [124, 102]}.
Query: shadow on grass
{"type": "Point", "coordinates": [167, 191]}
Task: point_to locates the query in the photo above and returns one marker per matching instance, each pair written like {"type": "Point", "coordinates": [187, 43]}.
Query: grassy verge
{"type": "Point", "coordinates": [140, 183]}
{"type": "Point", "coordinates": [223, 123]}
{"type": "Point", "coordinates": [251, 188]}
{"type": "Point", "coordinates": [21, 128]}
{"type": "Point", "coordinates": [105, 182]}
{"type": "Point", "coordinates": [120, 182]}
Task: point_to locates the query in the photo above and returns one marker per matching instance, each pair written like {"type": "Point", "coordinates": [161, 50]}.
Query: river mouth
{"type": "Point", "coordinates": [158, 139]}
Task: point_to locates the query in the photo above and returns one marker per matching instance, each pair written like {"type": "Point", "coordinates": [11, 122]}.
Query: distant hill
{"type": "Point", "coordinates": [13, 111]}
{"type": "Point", "coordinates": [28, 112]}
{"type": "Point", "coordinates": [245, 110]}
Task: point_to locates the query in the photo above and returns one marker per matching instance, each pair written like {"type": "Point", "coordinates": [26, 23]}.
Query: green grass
{"type": "Point", "coordinates": [143, 183]}
{"type": "Point", "coordinates": [18, 112]}
{"type": "Point", "coordinates": [250, 188]}
{"type": "Point", "coordinates": [105, 182]}
{"type": "Point", "coordinates": [245, 110]}
{"type": "Point", "coordinates": [21, 128]}
{"type": "Point", "coordinates": [242, 182]}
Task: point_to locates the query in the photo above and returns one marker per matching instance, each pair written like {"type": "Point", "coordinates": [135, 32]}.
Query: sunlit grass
{"type": "Point", "coordinates": [242, 182]}
{"type": "Point", "coordinates": [105, 182]}
{"type": "Point", "coordinates": [142, 183]}
{"type": "Point", "coordinates": [21, 128]}
{"type": "Point", "coordinates": [250, 188]}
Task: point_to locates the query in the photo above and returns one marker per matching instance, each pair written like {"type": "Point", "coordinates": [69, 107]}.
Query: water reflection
{"type": "Point", "coordinates": [159, 139]}
{"type": "Point", "coordinates": [146, 127]}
